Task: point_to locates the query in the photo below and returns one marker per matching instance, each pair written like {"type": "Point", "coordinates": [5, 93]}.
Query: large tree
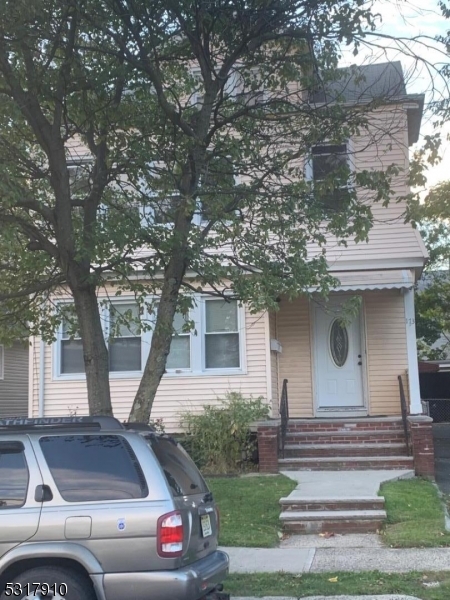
{"type": "Point", "coordinates": [161, 146]}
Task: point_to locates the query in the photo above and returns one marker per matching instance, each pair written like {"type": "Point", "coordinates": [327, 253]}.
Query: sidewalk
{"type": "Point", "coordinates": [360, 553]}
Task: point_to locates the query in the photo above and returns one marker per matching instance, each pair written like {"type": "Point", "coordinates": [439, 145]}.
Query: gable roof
{"type": "Point", "coordinates": [383, 82]}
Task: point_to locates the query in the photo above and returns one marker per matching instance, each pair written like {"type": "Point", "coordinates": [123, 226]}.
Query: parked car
{"type": "Point", "coordinates": [93, 509]}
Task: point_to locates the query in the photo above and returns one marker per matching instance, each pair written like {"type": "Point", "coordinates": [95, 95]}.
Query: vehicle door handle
{"type": "Point", "coordinates": [43, 493]}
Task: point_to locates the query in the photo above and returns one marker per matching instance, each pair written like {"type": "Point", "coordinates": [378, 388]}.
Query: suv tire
{"type": "Point", "coordinates": [78, 587]}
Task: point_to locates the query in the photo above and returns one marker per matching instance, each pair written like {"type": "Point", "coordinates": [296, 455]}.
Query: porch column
{"type": "Point", "coordinates": [413, 367]}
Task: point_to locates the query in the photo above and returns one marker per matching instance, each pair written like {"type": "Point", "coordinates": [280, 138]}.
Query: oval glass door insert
{"type": "Point", "coordinates": [338, 343]}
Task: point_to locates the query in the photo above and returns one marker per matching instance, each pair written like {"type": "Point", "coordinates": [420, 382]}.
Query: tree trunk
{"type": "Point", "coordinates": [95, 352]}
{"type": "Point", "coordinates": [160, 346]}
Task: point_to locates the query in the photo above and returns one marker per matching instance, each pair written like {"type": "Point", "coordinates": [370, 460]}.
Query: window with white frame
{"type": "Point", "coordinates": [71, 347]}
{"type": "Point", "coordinates": [79, 176]}
{"type": "Point", "coordinates": [222, 345]}
{"type": "Point", "coordinates": [329, 170]}
{"type": "Point", "coordinates": [2, 362]}
{"type": "Point", "coordinates": [217, 190]}
{"type": "Point", "coordinates": [180, 348]}
{"type": "Point", "coordinates": [214, 346]}
{"type": "Point", "coordinates": [125, 351]}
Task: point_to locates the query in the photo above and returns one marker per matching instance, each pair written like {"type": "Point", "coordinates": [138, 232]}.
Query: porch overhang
{"type": "Point", "coordinates": [395, 279]}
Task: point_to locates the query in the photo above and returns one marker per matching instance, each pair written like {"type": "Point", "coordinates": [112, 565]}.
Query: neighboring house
{"type": "Point", "coordinates": [333, 370]}
{"type": "Point", "coordinates": [14, 379]}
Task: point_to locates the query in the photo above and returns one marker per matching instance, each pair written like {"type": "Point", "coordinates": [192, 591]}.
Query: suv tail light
{"type": "Point", "coordinates": [170, 535]}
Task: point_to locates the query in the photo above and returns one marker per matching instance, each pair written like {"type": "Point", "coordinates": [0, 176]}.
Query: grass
{"type": "Point", "coordinates": [249, 509]}
{"type": "Point", "coordinates": [330, 584]}
{"type": "Point", "coordinates": [415, 515]}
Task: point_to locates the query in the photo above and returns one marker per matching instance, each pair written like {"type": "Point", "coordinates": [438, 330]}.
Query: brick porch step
{"type": "Point", "coordinates": [350, 463]}
{"type": "Point", "coordinates": [332, 521]}
{"type": "Point", "coordinates": [356, 449]}
{"type": "Point", "coordinates": [346, 437]}
{"type": "Point", "coordinates": [291, 504]}
{"type": "Point", "coordinates": [357, 424]}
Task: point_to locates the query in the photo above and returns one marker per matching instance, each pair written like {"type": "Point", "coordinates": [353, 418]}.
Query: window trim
{"type": "Point", "coordinates": [197, 345]}
{"type": "Point", "coordinates": [240, 332]}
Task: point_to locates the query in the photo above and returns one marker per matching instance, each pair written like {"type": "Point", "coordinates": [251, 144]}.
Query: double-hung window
{"type": "Point", "coordinates": [125, 353]}
{"type": "Point", "coordinates": [180, 348]}
{"type": "Point", "coordinates": [71, 347]}
{"type": "Point", "coordinates": [122, 331]}
{"type": "Point", "coordinates": [329, 170]}
{"type": "Point", "coordinates": [221, 332]}
{"type": "Point", "coordinates": [214, 345]}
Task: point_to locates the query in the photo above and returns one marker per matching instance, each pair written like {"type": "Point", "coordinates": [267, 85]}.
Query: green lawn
{"type": "Point", "coordinates": [249, 509]}
{"type": "Point", "coordinates": [312, 584]}
{"type": "Point", "coordinates": [415, 515]}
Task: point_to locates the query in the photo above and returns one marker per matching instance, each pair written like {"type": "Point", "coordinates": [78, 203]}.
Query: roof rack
{"type": "Point", "coordinates": [44, 423]}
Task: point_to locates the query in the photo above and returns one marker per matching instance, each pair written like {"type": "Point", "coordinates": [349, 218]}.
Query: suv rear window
{"type": "Point", "coordinates": [94, 467]}
{"type": "Point", "coordinates": [13, 475]}
{"type": "Point", "coordinates": [181, 473]}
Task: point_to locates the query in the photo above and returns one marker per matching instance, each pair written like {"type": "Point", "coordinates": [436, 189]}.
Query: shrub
{"type": "Point", "coordinates": [219, 439]}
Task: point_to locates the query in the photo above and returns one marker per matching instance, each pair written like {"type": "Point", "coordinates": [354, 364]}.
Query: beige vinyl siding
{"type": "Point", "coordinates": [384, 144]}
{"type": "Point", "coordinates": [274, 364]}
{"type": "Point", "coordinates": [176, 393]}
{"type": "Point", "coordinates": [293, 328]}
{"type": "Point", "coordinates": [387, 354]}
{"type": "Point", "coordinates": [14, 384]}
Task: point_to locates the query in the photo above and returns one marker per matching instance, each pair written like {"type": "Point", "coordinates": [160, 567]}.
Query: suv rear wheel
{"type": "Point", "coordinates": [61, 584]}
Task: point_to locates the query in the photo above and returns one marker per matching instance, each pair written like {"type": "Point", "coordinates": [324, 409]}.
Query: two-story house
{"type": "Point", "coordinates": [335, 369]}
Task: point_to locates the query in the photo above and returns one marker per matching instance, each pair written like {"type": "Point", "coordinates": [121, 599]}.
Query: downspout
{"type": "Point", "coordinates": [41, 378]}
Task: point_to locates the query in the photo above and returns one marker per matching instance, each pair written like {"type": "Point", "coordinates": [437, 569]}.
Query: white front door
{"type": "Point", "coordinates": [339, 359]}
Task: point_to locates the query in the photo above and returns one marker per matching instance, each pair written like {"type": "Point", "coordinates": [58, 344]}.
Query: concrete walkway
{"type": "Point", "coordinates": [325, 560]}
{"type": "Point", "coordinates": [341, 484]}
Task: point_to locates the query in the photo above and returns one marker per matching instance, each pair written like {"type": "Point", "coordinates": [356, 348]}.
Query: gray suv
{"type": "Point", "coordinates": [93, 509]}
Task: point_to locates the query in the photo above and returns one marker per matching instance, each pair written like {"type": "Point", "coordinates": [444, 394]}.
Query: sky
{"type": "Point", "coordinates": [415, 29]}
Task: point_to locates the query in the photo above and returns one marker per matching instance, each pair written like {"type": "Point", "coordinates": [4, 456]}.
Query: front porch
{"type": "Point", "coordinates": [342, 364]}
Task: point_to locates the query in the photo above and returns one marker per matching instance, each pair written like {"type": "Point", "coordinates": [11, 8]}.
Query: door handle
{"type": "Point", "coordinates": [360, 362]}
{"type": "Point", "coordinates": [43, 493]}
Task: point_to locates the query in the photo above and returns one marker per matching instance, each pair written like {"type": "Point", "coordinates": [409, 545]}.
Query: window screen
{"type": "Point", "coordinates": [94, 467]}
{"type": "Point", "coordinates": [13, 476]}
{"type": "Point", "coordinates": [182, 475]}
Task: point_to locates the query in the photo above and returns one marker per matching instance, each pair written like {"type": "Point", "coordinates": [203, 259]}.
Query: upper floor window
{"type": "Point", "coordinates": [2, 362]}
{"type": "Point", "coordinates": [79, 176]}
{"type": "Point", "coordinates": [330, 171]}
